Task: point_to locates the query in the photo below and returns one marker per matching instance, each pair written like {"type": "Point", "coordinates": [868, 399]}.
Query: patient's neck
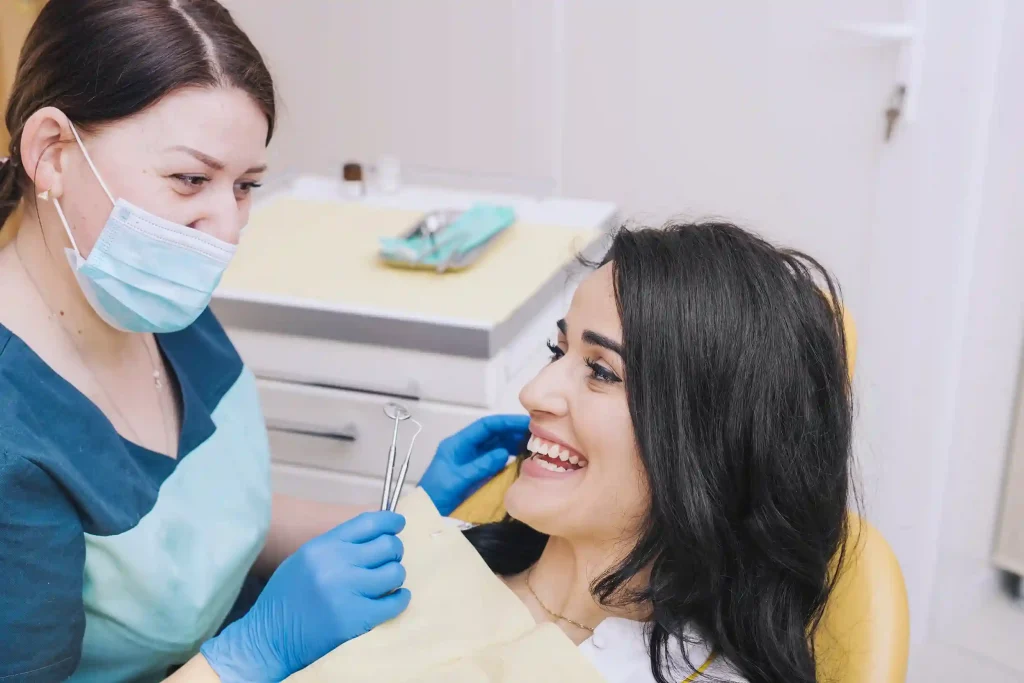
{"type": "Point", "coordinates": [562, 580]}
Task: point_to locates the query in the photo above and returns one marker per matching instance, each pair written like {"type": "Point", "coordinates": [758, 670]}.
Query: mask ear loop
{"type": "Point", "coordinates": [92, 166]}
{"type": "Point", "coordinates": [67, 228]}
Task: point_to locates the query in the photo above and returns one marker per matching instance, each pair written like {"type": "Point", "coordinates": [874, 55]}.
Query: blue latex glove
{"type": "Point", "coordinates": [466, 460]}
{"type": "Point", "coordinates": [334, 588]}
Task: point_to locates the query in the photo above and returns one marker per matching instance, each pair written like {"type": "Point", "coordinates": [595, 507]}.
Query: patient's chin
{"type": "Point", "coordinates": [534, 503]}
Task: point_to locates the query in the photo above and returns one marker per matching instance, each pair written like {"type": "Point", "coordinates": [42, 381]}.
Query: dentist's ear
{"type": "Point", "coordinates": [42, 150]}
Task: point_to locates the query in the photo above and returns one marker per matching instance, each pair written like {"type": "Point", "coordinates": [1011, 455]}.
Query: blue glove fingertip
{"type": "Point", "coordinates": [507, 423]}
{"type": "Point", "coordinates": [498, 459]}
{"type": "Point", "coordinates": [397, 602]}
{"type": "Point", "coordinates": [368, 526]}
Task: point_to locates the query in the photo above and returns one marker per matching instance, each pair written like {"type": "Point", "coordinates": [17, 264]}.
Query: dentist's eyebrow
{"type": "Point", "coordinates": [594, 338]}
{"type": "Point", "coordinates": [213, 163]}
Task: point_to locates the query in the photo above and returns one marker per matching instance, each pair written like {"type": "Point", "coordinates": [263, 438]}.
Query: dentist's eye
{"type": "Point", "coordinates": [556, 352]}
{"type": "Point", "coordinates": [190, 180]}
{"type": "Point", "coordinates": [244, 188]}
{"type": "Point", "coordinates": [187, 183]}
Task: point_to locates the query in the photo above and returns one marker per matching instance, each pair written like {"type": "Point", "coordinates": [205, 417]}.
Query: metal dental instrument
{"type": "Point", "coordinates": [398, 413]}
{"type": "Point", "coordinates": [405, 468]}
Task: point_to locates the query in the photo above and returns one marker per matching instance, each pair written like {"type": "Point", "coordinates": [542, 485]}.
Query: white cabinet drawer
{"type": "Point", "coordinates": [484, 383]}
{"type": "Point", "coordinates": [307, 483]}
{"type": "Point", "coordinates": [347, 431]}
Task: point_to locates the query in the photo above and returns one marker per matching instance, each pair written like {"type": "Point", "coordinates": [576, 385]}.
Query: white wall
{"type": "Point", "coordinates": [647, 103]}
{"type": "Point", "coordinates": [449, 84]}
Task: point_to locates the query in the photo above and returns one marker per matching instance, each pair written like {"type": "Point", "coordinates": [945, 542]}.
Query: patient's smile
{"type": "Point", "coordinates": [554, 457]}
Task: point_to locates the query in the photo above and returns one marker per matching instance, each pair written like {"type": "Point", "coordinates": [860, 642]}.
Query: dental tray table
{"type": "Point", "coordinates": [332, 333]}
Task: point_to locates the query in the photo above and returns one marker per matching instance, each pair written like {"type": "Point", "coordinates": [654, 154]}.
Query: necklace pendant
{"type": "Point", "coordinates": [157, 381]}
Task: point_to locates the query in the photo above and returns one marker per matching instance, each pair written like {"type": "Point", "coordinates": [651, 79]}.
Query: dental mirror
{"type": "Point", "coordinates": [396, 412]}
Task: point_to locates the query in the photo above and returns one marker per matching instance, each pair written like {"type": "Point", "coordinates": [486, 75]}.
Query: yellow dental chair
{"type": "Point", "coordinates": [865, 632]}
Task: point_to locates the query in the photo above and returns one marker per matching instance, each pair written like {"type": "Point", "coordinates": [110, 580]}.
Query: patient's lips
{"type": "Point", "coordinates": [554, 457]}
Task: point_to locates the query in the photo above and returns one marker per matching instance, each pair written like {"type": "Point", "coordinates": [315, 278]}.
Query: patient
{"type": "Point", "coordinates": [687, 481]}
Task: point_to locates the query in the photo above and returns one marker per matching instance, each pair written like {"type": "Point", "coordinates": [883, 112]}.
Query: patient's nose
{"type": "Point", "coordinates": [545, 393]}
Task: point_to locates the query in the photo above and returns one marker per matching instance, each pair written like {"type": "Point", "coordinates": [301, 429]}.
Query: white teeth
{"type": "Point", "coordinates": [539, 446]}
{"type": "Point", "coordinates": [549, 466]}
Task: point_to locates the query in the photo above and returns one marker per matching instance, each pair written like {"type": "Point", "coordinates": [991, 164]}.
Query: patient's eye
{"type": "Point", "coordinates": [601, 373]}
{"type": "Point", "coordinates": [556, 352]}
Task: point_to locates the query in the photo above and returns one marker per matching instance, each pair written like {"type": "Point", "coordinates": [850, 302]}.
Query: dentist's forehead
{"type": "Point", "coordinates": [223, 123]}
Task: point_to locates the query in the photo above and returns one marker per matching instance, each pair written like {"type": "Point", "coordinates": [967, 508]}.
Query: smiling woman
{"type": "Point", "coordinates": [684, 488]}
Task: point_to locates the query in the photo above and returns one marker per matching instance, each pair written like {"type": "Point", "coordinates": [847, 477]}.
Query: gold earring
{"type": "Point", "coordinates": [45, 195]}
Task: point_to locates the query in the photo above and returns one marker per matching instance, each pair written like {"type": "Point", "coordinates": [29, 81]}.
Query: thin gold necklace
{"type": "Point", "coordinates": [553, 615]}
{"type": "Point", "coordinates": [161, 401]}
{"type": "Point", "coordinates": [157, 382]}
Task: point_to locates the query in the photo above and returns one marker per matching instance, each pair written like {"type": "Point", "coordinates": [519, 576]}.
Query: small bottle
{"type": "Point", "coordinates": [352, 180]}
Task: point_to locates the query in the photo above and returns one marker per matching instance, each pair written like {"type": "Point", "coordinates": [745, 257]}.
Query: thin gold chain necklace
{"type": "Point", "coordinates": [161, 399]}
{"type": "Point", "coordinates": [553, 615]}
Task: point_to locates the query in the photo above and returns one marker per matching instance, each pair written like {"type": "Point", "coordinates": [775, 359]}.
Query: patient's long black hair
{"type": "Point", "coordinates": [738, 389]}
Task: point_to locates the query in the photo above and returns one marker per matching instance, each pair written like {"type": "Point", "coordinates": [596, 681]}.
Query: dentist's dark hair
{"type": "Point", "coordinates": [100, 61]}
{"type": "Point", "coordinates": [738, 388]}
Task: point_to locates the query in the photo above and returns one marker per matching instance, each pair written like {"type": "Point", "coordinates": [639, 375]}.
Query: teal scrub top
{"type": "Point", "coordinates": [116, 562]}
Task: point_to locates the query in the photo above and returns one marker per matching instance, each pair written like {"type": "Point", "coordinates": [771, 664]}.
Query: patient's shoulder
{"type": "Point", "coordinates": [619, 651]}
{"type": "Point", "coordinates": [721, 671]}
{"type": "Point", "coordinates": [704, 665]}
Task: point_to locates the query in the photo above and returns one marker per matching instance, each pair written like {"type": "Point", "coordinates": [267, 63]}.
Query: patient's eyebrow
{"type": "Point", "coordinates": [591, 337]}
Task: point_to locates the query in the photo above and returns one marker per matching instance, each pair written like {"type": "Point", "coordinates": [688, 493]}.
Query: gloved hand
{"type": "Point", "coordinates": [334, 588]}
{"type": "Point", "coordinates": [466, 460]}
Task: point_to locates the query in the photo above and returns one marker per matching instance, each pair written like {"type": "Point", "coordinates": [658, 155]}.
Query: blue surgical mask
{"type": "Point", "coordinates": [146, 274]}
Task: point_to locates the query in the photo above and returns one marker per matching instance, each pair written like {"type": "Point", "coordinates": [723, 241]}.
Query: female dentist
{"type": "Point", "coordinates": [134, 466]}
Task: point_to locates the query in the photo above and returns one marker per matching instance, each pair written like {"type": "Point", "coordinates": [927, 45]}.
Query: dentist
{"type": "Point", "coordinates": [135, 503]}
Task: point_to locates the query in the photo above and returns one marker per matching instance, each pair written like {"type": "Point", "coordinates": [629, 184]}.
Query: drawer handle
{"type": "Point", "coordinates": [286, 379]}
{"type": "Point", "coordinates": [348, 433]}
